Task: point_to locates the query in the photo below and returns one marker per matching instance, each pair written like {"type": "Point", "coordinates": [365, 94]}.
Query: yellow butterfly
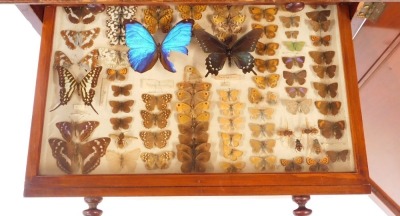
{"type": "Point", "coordinates": [184, 118]}
{"type": "Point", "coordinates": [272, 98]}
{"type": "Point", "coordinates": [266, 129]}
{"type": "Point", "coordinates": [263, 81]}
{"type": "Point", "coordinates": [292, 165]}
{"type": "Point", "coordinates": [231, 153]}
{"type": "Point", "coordinates": [232, 167]}
{"type": "Point", "coordinates": [230, 95]}
{"type": "Point", "coordinates": [113, 74]}
{"type": "Point", "coordinates": [158, 17]}
{"type": "Point", "coordinates": [155, 139]}
{"type": "Point", "coordinates": [258, 13]}
{"type": "Point", "coordinates": [263, 114]}
{"type": "Point", "coordinates": [160, 161]}
{"type": "Point", "coordinates": [230, 124]}
{"type": "Point", "coordinates": [189, 98]}
{"type": "Point", "coordinates": [255, 96]}
{"type": "Point", "coordinates": [268, 48]}
{"type": "Point", "coordinates": [263, 163]}
{"type": "Point", "coordinates": [158, 119]}
{"type": "Point", "coordinates": [196, 109]}
{"type": "Point", "coordinates": [269, 30]}
{"type": "Point", "coordinates": [191, 11]}
{"type": "Point", "coordinates": [264, 146]}
{"type": "Point", "coordinates": [231, 139]}
{"type": "Point", "coordinates": [159, 101]}
{"type": "Point", "coordinates": [231, 109]}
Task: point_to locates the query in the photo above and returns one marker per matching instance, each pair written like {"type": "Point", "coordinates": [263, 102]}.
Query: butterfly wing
{"type": "Point", "coordinates": [161, 138]}
{"type": "Point", "coordinates": [162, 118]}
{"type": "Point", "coordinates": [95, 149]}
{"type": "Point", "coordinates": [254, 96]}
{"type": "Point", "coordinates": [63, 152]}
{"type": "Point", "coordinates": [67, 85]}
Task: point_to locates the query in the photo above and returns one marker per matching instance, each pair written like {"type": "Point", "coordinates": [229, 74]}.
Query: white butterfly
{"type": "Point", "coordinates": [125, 161]}
{"type": "Point", "coordinates": [301, 106]}
{"type": "Point", "coordinates": [114, 59]}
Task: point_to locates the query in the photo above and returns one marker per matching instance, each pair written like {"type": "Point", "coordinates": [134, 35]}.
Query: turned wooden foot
{"type": "Point", "coordinates": [301, 200]}
{"type": "Point", "coordinates": [92, 210]}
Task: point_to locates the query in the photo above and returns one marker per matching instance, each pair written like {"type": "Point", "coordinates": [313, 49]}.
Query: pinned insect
{"type": "Point", "coordinates": [298, 145]}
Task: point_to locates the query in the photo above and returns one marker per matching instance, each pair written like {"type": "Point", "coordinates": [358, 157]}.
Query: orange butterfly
{"type": "Point", "coordinates": [113, 74]}
{"type": "Point", "coordinates": [264, 146]}
{"type": "Point", "coordinates": [326, 89]}
{"type": "Point", "coordinates": [269, 65]}
{"type": "Point", "coordinates": [319, 165]}
{"type": "Point", "coordinates": [330, 128]}
{"type": "Point", "coordinates": [261, 163]}
{"type": "Point", "coordinates": [258, 13]}
{"type": "Point", "coordinates": [292, 34]}
{"type": "Point", "coordinates": [318, 40]}
{"type": "Point", "coordinates": [269, 30]}
{"type": "Point", "coordinates": [328, 107]}
{"type": "Point", "coordinates": [292, 165]}
{"type": "Point", "coordinates": [268, 48]}
{"type": "Point", "coordinates": [266, 129]}
{"type": "Point", "coordinates": [254, 96]}
{"type": "Point", "coordinates": [263, 81]}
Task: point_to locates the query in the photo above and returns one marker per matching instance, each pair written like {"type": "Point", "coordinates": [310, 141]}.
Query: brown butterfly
{"type": "Point", "coordinates": [261, 163]}
{"type": "Point", "coordinates": [194, 87]}
{"type": "Point", "coordinates": [321, 25]}
{"type": "Point", "coordinates": [293, 61]}
{"type": "Point", "coordinates": [268, 48]}
{"type": "Point", "coordinates": [290, 21]}
{"type": "Point", "coordinates": [264, 146]}
{"type": "Point", "coordinates": [121, 139]}
{"type": "Point", "coordinates": [296, 91]}
{"type": "Point", "coordinates": [263, 82]}
{"type": "Point", "coordinates": [230, 109]}
{"type": "Point", "coordinates": [153, 139]}
{"type": "Point", "coordinates": [73, 130]}
{"type": "Point", "coordinates": [292, 165]}
{"type": "Point", "coordinates": [189, 98]}
{"type": "Point", "coordinates": [309, 130]}
{"type": "Point", "coordinates": [291, 77]}
{"type": "Point", "coordinates": [113, 74]}
{"type": "Point", "coordinates": [322, 57]}
{"type": "Point", "coordinates": [85, 14]}
{"type": "Point", "coordinates": [319, 16]}
{"type": "Point", "coordinates": [194, 129]}
{"type": "Point", "coordinates": [159, 101]}
{"type": "Point", "coordinates": [157, 161]}
{"type": "Point", "coordinates": [326, 89]}
{"type": "Point", "coordinates": [292, 34]}
{"type": "Point", "coordinates": [188, 118]}
{"type": "Point", "coordinates": [254, 96]}
{"type": "Point", "coordinates": [298, 145]}
{"type": "Point", "coordinates": [230, 153]}
{"type": "Point", "coordinates": [285, 132]}
{"type": "Point", "coordinates": [328, 107]}
{"type": "Point", "coordinates": [123, 123]}
{"type": "Point", "coordinates": [337, 155]}
{"type": "Point", "coordinates": [329, 128]}
{"type": "Point", "coordinates": [82, 39]}
{"type": "Point", "coordinates": [316, 147]}
{"type": "Point", "coordinates": [189, 140]}
{"type": "Point", "coordinates": [269, 30]}
{"type": "Point", "coordinates": [232, 167]}
{"type": "Point", "coordinates": [272, 98]}
{"type": "Point", "coordinates": [321, 70]}
{"type": "Point", "coordinates": [121, 90]}
{"type": "Point", "coordinates": [269, 65]}
{"type": "Point", "coordinates": [155, 119]}
{"type": "Point", "coordinates": [318, 40]}
{"type": "Point", "coordinates": [266, 129]}
{"type": "Point", "coordinates": [123, 106]}
{"type": "Point", "coordinates": [258, 13]}
{"type": "Point", "coordinates": [191, 11]}
{"type": "Point", "coordinates": [229, 95]}
{"type": "Point", "coordinates": [195, 158]}
{"type": "Point", "coordinates": [62, 60]}
{"type": "Point", "coordinates": [318, 165]}
{"type": "Point", "coordinates": [231, 139]}
{"type": "Point", "coordinates": [158, 17]}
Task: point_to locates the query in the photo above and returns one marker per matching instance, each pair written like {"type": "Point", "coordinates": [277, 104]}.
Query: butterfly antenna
{"type": "Point", "coordinates": [56, 107]}
{"type": "Point", "coordinates": [94, 109]}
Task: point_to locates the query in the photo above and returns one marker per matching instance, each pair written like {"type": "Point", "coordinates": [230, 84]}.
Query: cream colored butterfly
{"type": "Point", "coordinates": [301, 106]}
{"type": "Point", "coordinates": [122, 162]}
{"type": "Point", "coordinates": [265, 130]}
{"type": "Point", "coordinates": [231, 124]}
{"type": "Point", "coordinates": [263, 114]}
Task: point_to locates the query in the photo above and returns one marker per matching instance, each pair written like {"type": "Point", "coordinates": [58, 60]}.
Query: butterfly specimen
{"type": "Point", "coordinates": [194, 128]}
{"type": "Point", "coordinates": [123, 123]}
{"type": "Point", "coordinates": [293, 61]}
{"type": "Point", "coordinates": [230, 109]}
{"type": "Point", "coordinates": [254, 96]}
{"type": "Point", "coordinates": [319, 16]}
{"type": "Point", "coordinates": [258, 13]}
{"type": "Point", "coordinates": [191, 74]}
{"type": "Point", "coordinates": [316, 147]}
{"type": "Point", "coordinates": [294, 45]}
{"type": "Point", "coordinates": [268, 48]}
{"type": "Point", "coordinates": [121, 139]}
{"type": "Point", "coordinates": [153, 139]}
{"type": "Point", "coordinates": [187, 118]}
{"type": "Point", "coordinates": [337, 155]}
{"type": "Point", "coordinates": [89, 62]}
{"type": "Point", "coordinates": [82, 39]}
{"type": "Point", "coordinates": [192, 109]}
{"type": "Point", "coordinates": [229, 95]}
{"type": "Point", "coordinates": [292, 165]}
{"type": "Point", "coordinates": [266, 129]}
{"type": "Point", "coordinates": [261, 113]}
{"type": "Point", "coordinates": [85, 87]}
{"type": "Point", "coordinates": [113, 74]}
{"type": "Point", "coordinates": [318, 40]}
{"type": "Point", "coordinates": [121, 106]}
{"type": "Point", "coordinates": [231, 139]}
{"type": "Point", "coordinates": [317, 26]}
{"type": "Point", "coordinates": [193, 158]}
{"type": "Point", "coordinates": [292, 34]}
{"type": "Point", "coordinates": [231, 153]}
{"type": "Point", "coordinates": [298, 145]}
{"type": "Point", "coordinates": [298, 106]}
{"type": "Point", "coordinates": [291, 77]}
{"type": "Point", "coordinates": [328, 107]}
{"type": "Point", "coordinates": [322, 57]}
{"type": "Point", "coordinates": [191, 11]}
{"type": "Point", "coordinates": [193, 139]}
{"type": "Point", "coordinates": [159, 101]}
{"type": "Point", "coordinates": [261, 163]}
{"type": "Point", "coordinates": [73, 131]}
{"type": "Point", "coordinates": [290, 21]}
{"type": "Point", "coordinates": [309, 130]}
{"type": "Point", "coordinates": [121, 90]}
{"type": "Point", "coordinates": [122, 161]}
{"type": "Point", "coordinates": [111, 58]}
{"type": "Point", "coordinates": [263, 82]}
{"type": "Point", "coordinates": [318, 165]}
{"type": "Point", "coordinates": [192, 98]}
{"type": "Point", "coordinates": [232, 167]}
{"type": "Point", "coordinates": [118, 17]}
{"type": "Point", "coordinates": [227, 21]}
{"type": "Point", "coordinates": [296, 91]}
{"type": "Point", "coordinates": [238, 52]}
{"type": "Point", "coordinates": [330, 128]}
{"type": "Point", "coordinates": [194, 87]}
{"type": "Point", "coordinates": [230, 124]}
{"type": "Point", "coordinates": [155, 119]}
{"type": "Point", "coordinates": [157, 161]}
{"type": "Point", "coordinates": [269, 65]}
{"type": "Point", "coordinates": [85, 14]}
{"type": "Point", "coordinates": [144, 51]}
{"type": "Point", "coordinates": [61, 60]}
{"type": "Point", "coordinates": [158, 17]}
{"type": "Point", "coordinates": [269, 30]}
{"type": "Point", "coordinates": [264, 146]}
{"type": "Point", "coordinates": [272, 98]}
{"type": "Point", "coordinates": [321, 70]}
{"type": "Point", "coordinates": [326, 89]}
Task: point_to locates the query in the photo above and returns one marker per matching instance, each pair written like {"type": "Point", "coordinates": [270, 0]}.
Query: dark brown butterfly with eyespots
{"type": "Point", "coordinates": [328, 107]}
{"type": "Point", "coordinates": [121, 90]}
{"type": "Point", "coordinates": [326, 89]}
{"type": "Point", "coordinates": [318, 165]}
{"type": "Point", "coordinates": [157, 161]}
{"type": "Point", "coordinates": [269, 65]}
{"type": "Point", "coordinates": [321, 70]}
{"type": "Point", "coordinates": [320, 40]}
{"type": "Point", "coordinates": [123, 123]}
{"type": "Point", "coordinates": [322, 25]}
{"type": "Point", "coordinates": [290, 21]}
{"type": "Point", "coordinates": [322, 57]}
{"type": "Point", "coordinates": [292, 34]}
{"type": "Point", "coordinates": [113, 74]}
{"type": "Point", "coordinates": [319, 16]}
{"type": "Point", "coordinates": [155, 119]}
{"type": "Point", "coordinates": [329, 129]}
{"type": "Point", "coordinates": [85, 14]}
{"type": "Point", "coordinates": [291, 77]}
{"type": "Point", "coordinates": [153, 139]}
{"type": "Point", "coordinates": [292, 165]}
{"type": "Point", "coordinates": [238, 52]}
{"type": "Point", "coordinates": [121, 106]}
{"type": "Point", "coordinates": [269, 30]}
{"type": "Point", "coordinates": [193, 158]}
{"type": "Point", "coordinates": [159, 101]}
{"type": "Point", "coordinates": [337, 155]}
{"type": "Point", "coordinates": [293, 61]}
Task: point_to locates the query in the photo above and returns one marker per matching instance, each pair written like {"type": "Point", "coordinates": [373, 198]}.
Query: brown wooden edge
{"type": "Point", "coordinates": [385, 198]}
{"type": "Point", "coordinates": [194, 184]}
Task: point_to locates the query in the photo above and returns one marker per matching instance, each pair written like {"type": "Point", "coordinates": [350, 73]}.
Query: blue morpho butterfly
{"type": "Point", "coordinates": [238, 51]}
{"type": "Point", "coordinates": [144, 51]}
